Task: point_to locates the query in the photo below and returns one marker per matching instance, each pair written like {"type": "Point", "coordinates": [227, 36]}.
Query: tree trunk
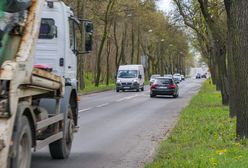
{"type": "Point", "coordinates": [240, 42]}
{"type": "Point", "coordinates": [80, 59]}
{"type": "Point", "coordinates": [98, 63]}
{"type": "Point", "coordinates": [108, 65]}
{"type": "Point", "coordinates": [138, 46]}
{"type": "Point", "coordinates": [133, 46]}
{"type": "Point", "coordinates": [218, 43]}
{"type": "Point", "coordinates": [123, 45]}
{"type": "Point", "coordinates": [233, 82]}
{"type": "Point", "coordinates": [116, 47]}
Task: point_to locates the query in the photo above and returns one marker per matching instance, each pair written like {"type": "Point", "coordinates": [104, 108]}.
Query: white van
{"type": "Point", "coordinates": [130, 77]}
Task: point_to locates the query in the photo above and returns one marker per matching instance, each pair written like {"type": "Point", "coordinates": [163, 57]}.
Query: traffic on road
{"type": "Point", "coordinates": [118, 130]}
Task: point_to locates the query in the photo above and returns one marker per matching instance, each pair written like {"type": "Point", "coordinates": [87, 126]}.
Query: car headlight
{"type": "Point", "coordinates": [135, 81]}
{"type": "Point", "coordinates": [118, 81]}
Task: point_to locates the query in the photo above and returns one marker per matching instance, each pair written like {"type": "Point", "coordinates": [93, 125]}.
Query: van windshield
{"type": "Point", "coordinates": [127, 73]}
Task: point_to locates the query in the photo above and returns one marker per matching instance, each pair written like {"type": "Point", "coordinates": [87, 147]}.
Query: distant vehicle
{"type": "Point", "coordinates": [130, 77]}
{"type": "Point", "coordinates": [198, 76]}
{"type": "Point", "coordinates": [164, 86]}
{"type": "Point", "coordinates": [153, 77]}
{"type": "Point", "coordinates": [182, 76]}
{"type": "Point", "coordinates": [204, 75]}
{"type": "Point", "coordinates": [177, 77]}
{"type": "Point", "coordinates": [168, 75]}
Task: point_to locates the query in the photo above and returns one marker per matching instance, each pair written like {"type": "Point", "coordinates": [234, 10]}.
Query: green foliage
{"type": "Point", "coordinates": [203, 137]}
{"type": "Point", "coordinates": [91, 88]}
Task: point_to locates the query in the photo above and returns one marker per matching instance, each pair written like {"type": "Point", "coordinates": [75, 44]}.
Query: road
{"type": "Point", "coordinates": [120, 130]}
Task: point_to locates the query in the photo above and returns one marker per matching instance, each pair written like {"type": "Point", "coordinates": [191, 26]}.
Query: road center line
{"type": "Point", "coordinates": [127, 98]}
{"type": "Point", "coordinates": [102, 105]}
{"type": "Point", "coordinates": [83, 110]}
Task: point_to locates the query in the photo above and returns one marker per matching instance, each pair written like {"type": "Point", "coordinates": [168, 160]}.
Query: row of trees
{"type": "Point", "coordinates": [131, 32]}
{"type": "Point", "coordinates": [220, 34]}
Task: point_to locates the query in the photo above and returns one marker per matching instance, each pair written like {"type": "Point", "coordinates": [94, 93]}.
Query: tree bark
{"type": "Point", "coordinates": [133, 46]}
{"type": "Point", "coordinates": [116, 47]}
{"type": "Point", "coordinates": [231, 58]}
{"type": "Point", "coordinates": [239, 10]}
{"type": "Point", "coordinates": [219, 50]}
{"type": "Point", "coordinates": [105, 33]}
{"type": "Point", "coordinates": [108, 65]}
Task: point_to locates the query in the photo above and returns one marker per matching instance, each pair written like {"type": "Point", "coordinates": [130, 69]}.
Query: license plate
{"type": "Point", "coordinates": [162, 87]}
{"type": "Point", "coordinates": [126, 87]}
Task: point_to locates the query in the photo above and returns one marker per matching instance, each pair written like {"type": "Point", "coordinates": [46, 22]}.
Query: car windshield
{"type": "Point", "coordinates": [163, 81]}
{"type": "Point", "coordinates": [127, 73]}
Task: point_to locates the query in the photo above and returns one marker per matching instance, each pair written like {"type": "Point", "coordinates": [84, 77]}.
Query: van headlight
{"type": "Point", "coordinates": [118, 81]}
{"type": "Point", "coordinates": [135, 81]}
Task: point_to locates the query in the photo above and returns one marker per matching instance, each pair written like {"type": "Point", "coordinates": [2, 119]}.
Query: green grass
{"type": "Point", "coordinates": [91, 88]}
{"type": "Point", "coordinates": [203, 137]}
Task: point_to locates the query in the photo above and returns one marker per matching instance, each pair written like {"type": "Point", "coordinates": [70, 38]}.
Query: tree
{"type": "Point", "coordinates": [105, 33]}
{"type": "Point", "coordinates": [237, 20]}
{"type": "Point", "coordinates": [206, 18]}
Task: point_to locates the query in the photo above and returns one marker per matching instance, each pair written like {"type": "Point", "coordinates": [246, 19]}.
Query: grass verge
{"type": "Point", "coordinates": [93, 89]}
{"type": "Point", "coordinates": [203, 137]}
{"type": "Point", "coordinates": [90, 85]}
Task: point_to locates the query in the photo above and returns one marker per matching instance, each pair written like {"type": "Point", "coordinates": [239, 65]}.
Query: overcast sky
{"type": "Point", "coordinates": [165, 5]}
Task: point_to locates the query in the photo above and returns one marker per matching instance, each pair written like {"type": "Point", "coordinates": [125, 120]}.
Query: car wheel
{"type": "Point", "coordinates": [137, 90]}
{"type": "Point", "coordinates": [175, 95]}
{"type": "Point", "coordinates": [142, 89]}
{"type": "Point", "coordinates": [152, 95]}
{"type": "Point", "coordinates": [117, 90]}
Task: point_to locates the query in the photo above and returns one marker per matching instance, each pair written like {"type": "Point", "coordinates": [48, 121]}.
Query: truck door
{"type": "Point", "coordinates": [71, 58]}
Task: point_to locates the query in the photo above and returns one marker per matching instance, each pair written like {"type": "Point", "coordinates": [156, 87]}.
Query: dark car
{"type": "Point", "coordinates": [198, 76]}
{"type": "Point", "coordinates": [164, 86]}
{"type": "Point", "coordinates": [204, 75]}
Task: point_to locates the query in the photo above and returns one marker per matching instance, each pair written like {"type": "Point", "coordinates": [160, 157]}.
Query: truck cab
{"type": "Point", "coordinates": [58, 46]}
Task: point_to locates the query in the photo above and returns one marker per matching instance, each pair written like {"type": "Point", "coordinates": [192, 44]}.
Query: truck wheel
{"type": "Point", "coordinates": [61, 149]}
{"type": "Point", "coordinates": [22, 144]}
{"type": "Point", "coordinates": [142, 89]}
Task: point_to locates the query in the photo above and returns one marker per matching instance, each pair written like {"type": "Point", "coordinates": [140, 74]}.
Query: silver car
{"type": "Point", "coordinates": [153, 77]}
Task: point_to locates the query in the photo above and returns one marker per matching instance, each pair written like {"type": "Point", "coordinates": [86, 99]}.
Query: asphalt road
{"type": "Point", "coordinates": [120, 130]}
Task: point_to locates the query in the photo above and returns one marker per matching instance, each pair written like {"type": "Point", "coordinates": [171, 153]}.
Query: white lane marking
{"type": "Point", "coordinates": [120, 100]}
{"type": "Point", "coordinates": [87, 109]}
{"type": "Point", "coordinates": [127, 98]}
{"type": "Point", "coordinates": [102, 105]}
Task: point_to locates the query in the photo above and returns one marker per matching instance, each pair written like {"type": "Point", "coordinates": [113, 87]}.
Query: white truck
{"type": "Point", "coordinates": [130, 77]}
{"type": "Point", "coordinates": [38, 85]}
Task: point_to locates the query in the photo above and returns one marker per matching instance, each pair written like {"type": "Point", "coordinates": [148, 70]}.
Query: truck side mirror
{"type": "Point", "coordinates": [140, 76]}
{"type": "Point", "coordinates": [88, 26]}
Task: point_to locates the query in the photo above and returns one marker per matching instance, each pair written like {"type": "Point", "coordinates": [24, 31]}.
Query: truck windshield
{"type": "Point", "coordinates": [127, 73]}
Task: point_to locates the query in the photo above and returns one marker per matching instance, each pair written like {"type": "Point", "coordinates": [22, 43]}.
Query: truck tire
{"type": "Point", "coordinates": [142, 89]}
{"type": "Point", "coordinates": [22, 139]}
{"type": "Point", "coordinates": [61, 149]}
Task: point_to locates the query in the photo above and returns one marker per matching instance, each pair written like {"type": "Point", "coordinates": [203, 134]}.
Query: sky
{"type": "Point", "coordinates": [165, 5]}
